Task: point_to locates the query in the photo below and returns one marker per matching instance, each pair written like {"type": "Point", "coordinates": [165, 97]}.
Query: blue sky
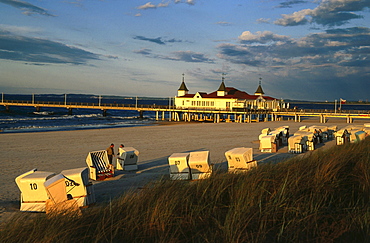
{"type": "Point", "coordinates": [311, 50]}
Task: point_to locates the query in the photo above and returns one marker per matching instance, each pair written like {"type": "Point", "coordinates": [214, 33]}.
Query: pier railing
{"type": "Point", "coordinates": [248, 114]}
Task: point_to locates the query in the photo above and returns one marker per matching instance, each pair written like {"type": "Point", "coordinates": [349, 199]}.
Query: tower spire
{"type": "Point", "coordinates": [183, 90]}
{"type": "Point", "coordinates": [222, 89]}
{"type": "Point", "coordinates": [259, 90]}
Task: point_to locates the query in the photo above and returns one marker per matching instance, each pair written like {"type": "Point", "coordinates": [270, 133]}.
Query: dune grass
{"type": "Point", "coordinates": [323, 197]}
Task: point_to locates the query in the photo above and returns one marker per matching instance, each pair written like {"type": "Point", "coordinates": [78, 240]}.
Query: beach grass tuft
{"type": "Point", "coordinates": [323, 197]}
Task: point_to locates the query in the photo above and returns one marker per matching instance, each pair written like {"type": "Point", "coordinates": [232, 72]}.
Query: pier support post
{"type": "Point", "coordinates": [37, 108]}
{"type": "Point", "coordinates": [163, 114]}
{"type": "Point", "coordinates": [7, 108]}
{"type": "Point", "coordinates": [104, 113]}
{"type": "Point", "coordinates": [70, 111]}
{"type": "Point", "coordinates": [141, 114]}
{"type": "Point", "coordinates": [156, 115]}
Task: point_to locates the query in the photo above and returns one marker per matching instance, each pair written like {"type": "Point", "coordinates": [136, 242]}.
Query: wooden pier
{"type": "Point", "coordinates": [202, 115]}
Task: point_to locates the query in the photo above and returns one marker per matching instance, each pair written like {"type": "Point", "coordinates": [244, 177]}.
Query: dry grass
{"type": "Point", "coordinates": [323, 197]}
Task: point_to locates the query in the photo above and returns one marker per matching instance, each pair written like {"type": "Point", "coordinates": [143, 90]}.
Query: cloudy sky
{"type": "Point", "coordinates": [311, 50]}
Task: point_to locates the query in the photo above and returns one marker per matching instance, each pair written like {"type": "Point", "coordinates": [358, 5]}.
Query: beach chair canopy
{"type": "Point", "coordinates": [98, 160]}
{"type": "Point", "coordinates": [56, 188]}
{"type": "Point", "coordinates": [199, 162]}
{"type": "Point", "coordinates": [178, 163]}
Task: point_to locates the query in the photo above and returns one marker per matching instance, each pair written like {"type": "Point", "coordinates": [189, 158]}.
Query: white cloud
{"type": "Point", "coordinates": [148, 5]}
{"type": "Point", "coordinates": [260, 37]}
{"type": "Point", "coordinates": [296, 18]}
{"type": "Point", "coordinates": [263, 21]}
{"type": "Point", "coordinates": [327, 13]}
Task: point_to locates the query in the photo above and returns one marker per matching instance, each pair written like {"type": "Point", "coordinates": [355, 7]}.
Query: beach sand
{"type": "Point", "coordinates": [61, 150]}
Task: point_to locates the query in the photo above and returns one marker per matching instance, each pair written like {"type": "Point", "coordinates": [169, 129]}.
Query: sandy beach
{"type": "Point", "coordinates": [57, 151]}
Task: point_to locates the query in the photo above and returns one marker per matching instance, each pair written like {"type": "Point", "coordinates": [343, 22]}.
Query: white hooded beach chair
{"type": "Point", "coordinates": [98, 164]}
{"type": "Point", "coordinates": [297, 144]}
{"type": "Point", "coordinates": [310, 142]}
{"type": "Point", "coordinates": [284, 133]}
{"type": "Point", "coordinates": [321, 132]}
{"type": "Point", "coordinates": [342, 136]}
{"type": "Point", "coordinates": [199, 165]}
{"type": "Point", "coordinates": [33, 192]}
{"type": "Point", "coordinates": [264, 132]}
{"type": "Point", "coordinates": [331, 131]}
{"type": "Point", "coordinates": [59, 201]}
{"type": "Point", "coordinates": [179, 167]}
{"type": "Point", "coordinates": [268, 144]}
{"type": "Point", "coordinates": [78, 186]}
{"type": "Point", "coordinates": [360, 135]}
{"type": "Point", "coordinates": [240, 159]}
{"type": "Point", "coordinates": [127, 159]}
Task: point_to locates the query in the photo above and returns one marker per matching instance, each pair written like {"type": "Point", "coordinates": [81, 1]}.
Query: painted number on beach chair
{"type": "Point", "coordinates": [198, 166]}
{"type": "Point", "coordinates": [70, 183]}
{"type": "Point", "coordinates": [237, 159]}
{"type": "Point", "coordinates": [33, 186]}
{"type": "Point", "coordinates": [177, 162]}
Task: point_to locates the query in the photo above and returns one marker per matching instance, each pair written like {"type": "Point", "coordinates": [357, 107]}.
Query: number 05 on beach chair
{"type": "Point", "coordinates": [99, 166]}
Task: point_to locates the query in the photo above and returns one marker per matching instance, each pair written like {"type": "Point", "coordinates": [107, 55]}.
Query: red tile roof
{"type": "Point", "coordinates": [232, 93]}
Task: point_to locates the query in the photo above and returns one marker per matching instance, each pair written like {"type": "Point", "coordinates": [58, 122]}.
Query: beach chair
{"type": "Point", "coordinates": [98, 164]}
{"type": "Point", "coordinates": [179, 167]}
{"type": "Point", "coordinates": [342, 136]}
{"type": "Point", "coordinates": [360, 135]}
{"type": "Point", "coordinates": [278, 138]}
{"type": "Point", "coordinates": [310, 141]}
{"type": "Point", "coordinates": [284, 134]}
{"type": "Point", "coordinates": [331, 131]}
{"type": "Point", "coordinates": [127, 159]}
{"type": "Point", "coordinates": [366, 130]}
{"type": "Point", "coordinates": [78, 186]}
{"type": "Point", "coordinates": [355, 135]}
{"type": "Point", "coordinates": [240, 159]}
{"type": "Point", "coordinates": [297, 144]}
{"type": "Point", "coordinates": [268, 144]}
{"type": "Point", "coordinates": [199, 165]}
{"type": "Point", "coordinates": [321, 132]}
{"type": "Point", "coordinates": [59, 202]}
{"type": "Point", "coordinates": [33, 192]}
{"type": "Point", "coordinates": [264, 132]}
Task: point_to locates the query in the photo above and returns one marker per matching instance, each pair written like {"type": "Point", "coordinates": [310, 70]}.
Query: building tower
{"type": "Point", "coordinates": [183, 90]}
{"type": "Point", "coordinates": [259, 90]}
{"type": "Point", "coordinates": [222, 89]}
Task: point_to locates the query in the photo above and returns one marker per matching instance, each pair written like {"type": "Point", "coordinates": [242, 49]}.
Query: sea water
{"type": "Point", "coordinates": [27, 119]}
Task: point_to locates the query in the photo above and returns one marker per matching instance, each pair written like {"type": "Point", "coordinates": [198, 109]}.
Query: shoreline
{"type": "Point", "coordinates": [60, 150]}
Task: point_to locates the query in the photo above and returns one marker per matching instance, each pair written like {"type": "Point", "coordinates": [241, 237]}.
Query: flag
{"type": "Point", "coordinates": [342, 101]}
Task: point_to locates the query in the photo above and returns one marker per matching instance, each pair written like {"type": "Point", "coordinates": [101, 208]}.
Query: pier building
{"type": "Point", "coordinates": [227, 99]}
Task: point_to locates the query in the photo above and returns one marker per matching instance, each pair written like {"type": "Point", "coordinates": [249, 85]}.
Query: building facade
{"type": "Point", "coordinates": [226, 98]}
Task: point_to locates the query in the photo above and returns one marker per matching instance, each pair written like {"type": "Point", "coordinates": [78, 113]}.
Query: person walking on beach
{"type": "Point", "coordinates": [110, 151]}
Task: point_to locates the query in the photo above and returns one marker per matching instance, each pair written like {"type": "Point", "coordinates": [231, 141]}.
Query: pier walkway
{"type": "Point", "coordinates": [216, 116]}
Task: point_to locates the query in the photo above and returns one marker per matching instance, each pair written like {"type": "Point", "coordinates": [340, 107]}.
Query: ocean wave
{"type": "Point", "coordinates": [44, 113]}
{"type": "Point", "coordinates": [38, 128]}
